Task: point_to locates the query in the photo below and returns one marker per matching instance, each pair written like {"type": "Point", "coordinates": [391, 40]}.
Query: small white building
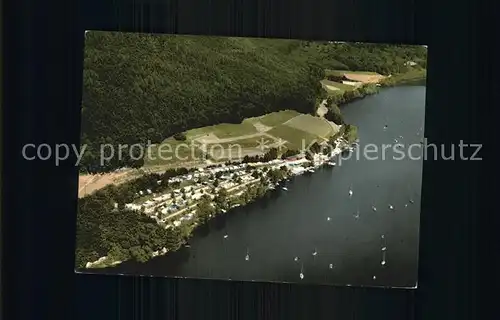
{"type": "Point", "coordinates": [410, 63]}
{"type": "Point", "coordinates": [133, 206]}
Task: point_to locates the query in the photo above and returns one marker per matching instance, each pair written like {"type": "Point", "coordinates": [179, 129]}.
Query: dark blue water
{"type": "Point", "coordinates": [294, 223]}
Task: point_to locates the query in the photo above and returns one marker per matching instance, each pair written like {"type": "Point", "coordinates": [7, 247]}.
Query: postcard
{"type": "Point", "coordinates": [247, 159]}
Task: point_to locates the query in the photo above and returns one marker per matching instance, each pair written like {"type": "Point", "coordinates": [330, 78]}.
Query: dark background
{"type": "Point", "coordinates": [43, 52]}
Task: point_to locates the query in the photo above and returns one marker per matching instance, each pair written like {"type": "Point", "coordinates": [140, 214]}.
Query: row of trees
{"type": "Point", "coordinates": [148, 87]}
{"type": "Point", "coordinates": [381, 58]}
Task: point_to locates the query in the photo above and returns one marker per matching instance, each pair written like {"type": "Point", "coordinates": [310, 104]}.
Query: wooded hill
{"type": "Point", "coordinates": [141, 87]}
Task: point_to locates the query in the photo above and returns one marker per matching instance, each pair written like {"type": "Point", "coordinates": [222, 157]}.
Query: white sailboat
{"type": "Point", "coordinates": [410, 192]}
{"type": "Point", "coordinates": [350, 191]}
{"type": "Point", "coordinates": [391, 207]}
{"type": "Point", "coordinates": [247, 257]}
{"type": "Point", "coordinates": [384, 247]}
{"type": "Point", "coordinates": [356, 214]}
{"type": "Point", "coordinates": [383, 262]}
{"type": "Point", "coordinates": [301, 275]}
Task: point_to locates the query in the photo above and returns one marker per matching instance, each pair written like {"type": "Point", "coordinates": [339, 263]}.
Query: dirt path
{"type": "Point", "coordinates": [213, 139]}
{"type": "Point", "coordinates": [260, 127]}
{"type": "Point", "coordinates": [365, 78]}
{"type": "Point", "coordinates": [99, 181]}
{"type": "Point", "coordinates": [322, 109]}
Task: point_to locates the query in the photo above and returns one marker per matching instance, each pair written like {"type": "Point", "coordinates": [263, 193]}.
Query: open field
{"type": "Point", "coordinates": [284, 129]}
{"type": "Point", "coordinates": [237, 149]}
{"type": "Point", "coordinates": [340, 73]}
{"type": "Point", "coordinates": [296, 139]}
{"type": "Point", "coordinates": [364, 78]}
{"type": "Point", "coordinates": [361, 76]}
{"type": "Point", "coordinates": [310, 124]}
{"type": "Point", "coordinates": [223, 130]}
{"type": "Point", "coordinates": [90, 183]}
{"type": "Point", "coordinates": [275, 118]}
{"type": "Point", "coordinates": [336, 87]}
{"type": "Point", "coordinates": [415, 75]}
{"type": "Point", "coordinates": [171, 152]}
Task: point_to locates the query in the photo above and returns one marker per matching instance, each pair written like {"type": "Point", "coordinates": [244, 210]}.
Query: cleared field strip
{"type": "Point", "coordinates": [361, 76]}
{"type": "Point", "coordinates": [275, 118]}
{"type": "Point", "coordinates": [287, 129]}
{"type": "Point", "coordinates": [223, 130]}
{"type": "Point", "coordinates": [340, 73]}
{"type": "Point", "coordinates": [296, 139]}
{"type": "Point", "coordinates": [310, 124]}
{"type": "Point", "coordinates": [365, 78]}
{"type": "Point", "coordinates": [337, 87]}
{"type": "Point", "coordinates": [238, 148]}
{"type": "Point", "coordinates": [172, 152]}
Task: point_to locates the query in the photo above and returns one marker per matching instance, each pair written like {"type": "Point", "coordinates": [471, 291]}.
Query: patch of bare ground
{"type": "Point", "coordinates": [322, 109]}
{"type": "Point", "coordinates": [260, 127]}
{"type": "Point", "coordinates": [90, 183]}
{"type": "Point", "coordinates": [365, 78]}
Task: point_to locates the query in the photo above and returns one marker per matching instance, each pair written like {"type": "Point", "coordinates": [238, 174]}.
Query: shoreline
{"type": "Point", "coordinates": [410, 77]}
{"type": "Point", "coordinates": [297, 167]}
{"type": "Point", "coordinates": [397, 80]}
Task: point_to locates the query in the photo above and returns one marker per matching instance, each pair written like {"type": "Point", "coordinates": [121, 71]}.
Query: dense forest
{"type": "Point", "coordinates": [141, 87]}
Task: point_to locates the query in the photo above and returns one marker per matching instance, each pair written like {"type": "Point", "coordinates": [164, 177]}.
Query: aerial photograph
{"type": "Point", "coordinates": [251, 159]}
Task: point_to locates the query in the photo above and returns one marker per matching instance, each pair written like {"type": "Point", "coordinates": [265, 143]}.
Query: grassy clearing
{"type": "Point", "coordinates": [227, 130]}
{"type": "Point", "coordinates": [300, 126]}
{"type": "Point", "coordinates": [223, 130]}
{"type": "Point", "coordinates": [242, 143]}
{"type": "Point", "coordinates": [342, 87]}
{"type": "Point", "coordinates": [238, 148]}
{"type": "Point", "coordinates": [310, 124]}
{"type": "Point", "coordinates": [297, 139]}
{"type": "Point", "coordinates": [276, 118]}
{"type": "Point", "coordinates": [412, 76]}
{"type": "Point", "coordinates": [172, 152]}
{"type": "Point", "coordinates": [340, 73]}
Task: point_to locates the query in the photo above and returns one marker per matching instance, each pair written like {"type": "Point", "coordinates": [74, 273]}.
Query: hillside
{"type": "Point", "coordinates": [141, 87]}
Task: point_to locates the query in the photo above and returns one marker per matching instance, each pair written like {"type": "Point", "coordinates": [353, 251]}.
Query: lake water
{"type": "Point", "coordinates": [295, 223]}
